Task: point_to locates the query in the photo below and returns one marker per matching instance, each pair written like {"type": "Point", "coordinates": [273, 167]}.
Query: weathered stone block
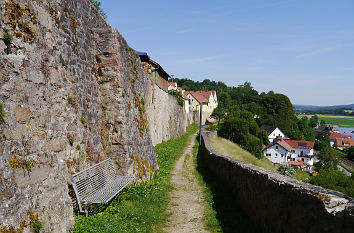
{"type": "Point", "coordinates": [22, 114]}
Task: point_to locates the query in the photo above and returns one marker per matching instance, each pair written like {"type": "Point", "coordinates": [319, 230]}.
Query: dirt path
{"type": "Point", "coordinates": [186, 200]}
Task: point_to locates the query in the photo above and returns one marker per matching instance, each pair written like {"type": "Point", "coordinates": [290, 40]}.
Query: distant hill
{"type": "Point", "coordinates": [313, 107]}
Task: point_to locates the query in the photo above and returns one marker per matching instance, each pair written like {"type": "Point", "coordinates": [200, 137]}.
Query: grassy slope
{"type": "Point", "coordinates": [341, 121]}
{"type": "Point", "coordinates": [228, 148]}
{"type": "Point", "coordinates": [223, 213]}
{"type": "Point", "coordinates": [142, 207]}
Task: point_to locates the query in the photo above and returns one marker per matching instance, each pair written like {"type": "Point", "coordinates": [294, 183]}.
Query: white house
{"type": "Point", "coordinates": [299, 154]}
{"type": "Point", "coordinates": [278, 152]}
{"type": "Point", "coordinates": [273, 132]}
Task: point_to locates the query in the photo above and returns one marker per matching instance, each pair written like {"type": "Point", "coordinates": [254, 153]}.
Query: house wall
{"type": "Point", "coordinates": [279, 203]}
{"type": "Point", "coordinates": [211, 105]}
{"type": "Point", "coordinates": [274, 134]}
{"type": "Point", "coordinates": [194, 104]}
{"type": "Point", "coordinates": [160, 82]}
{"type": "Point", "coordinates": [276, 154]}
{"type": "Point", "coordinates": [186, 105]}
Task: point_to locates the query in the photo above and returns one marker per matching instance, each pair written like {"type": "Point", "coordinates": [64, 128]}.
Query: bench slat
{"type": "Point", "coordinates": [110, 190]}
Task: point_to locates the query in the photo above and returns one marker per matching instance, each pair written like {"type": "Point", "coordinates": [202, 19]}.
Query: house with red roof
{"type": "Point", "coordinates": [299, 154]}
{"type": "Point", "coordinates": [342, 143]}
{"type": "Point", "coordinates": [333, 138]}
{"type": "Point", "coordinates": [207, 99]}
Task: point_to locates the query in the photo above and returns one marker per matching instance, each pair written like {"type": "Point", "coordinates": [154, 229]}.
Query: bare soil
{"type": "Point", "coordinates": [187, 200]}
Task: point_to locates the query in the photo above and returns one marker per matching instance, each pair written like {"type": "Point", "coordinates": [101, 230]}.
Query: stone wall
{"type": "Point", "coordinates": [278, 203]}
{"type": "Point", "coordinates": [166, 119]}
{"type": "Point", "coordinates": [73, 94]}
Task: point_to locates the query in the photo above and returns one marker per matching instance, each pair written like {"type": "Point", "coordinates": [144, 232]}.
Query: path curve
{"type": "Point", "coordinates": [186, 200]}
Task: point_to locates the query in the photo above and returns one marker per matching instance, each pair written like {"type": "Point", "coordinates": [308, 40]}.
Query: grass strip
{"type": "Point", "coordinates": [141, 207]}
{"type": "Point", "coordinates": [223, 212]}
{"type": "Point", "coordinates": [228, 148]}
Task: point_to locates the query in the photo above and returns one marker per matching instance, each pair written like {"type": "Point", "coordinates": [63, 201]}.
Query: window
{"type": "Point", "coordinates": [293, 159]}
{"type": "Point", "coordinates": [276, 155]}
{"type": "Point", "coordinates": [273, 134]}
{"type": "Point", "coordinates": [276, 147]}
{"type": "Point", "coordinates": [303, 160]}
{"type": "Point", "coordinates": [268, 154]}
{"type": "Point", "coordinates": [282, 155]}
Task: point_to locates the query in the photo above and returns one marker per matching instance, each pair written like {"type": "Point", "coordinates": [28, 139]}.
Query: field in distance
{"type": "Point", "coordinates": [341, 121]}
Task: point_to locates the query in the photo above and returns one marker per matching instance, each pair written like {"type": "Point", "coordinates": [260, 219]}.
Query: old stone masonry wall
{"type": "Point", "coordinates": [73, 94]}
{"type": "Point", "coordinates": [279, 203]}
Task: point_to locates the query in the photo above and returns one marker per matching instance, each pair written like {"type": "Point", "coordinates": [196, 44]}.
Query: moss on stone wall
{"type": "Point", "coordinates": [21, 18]}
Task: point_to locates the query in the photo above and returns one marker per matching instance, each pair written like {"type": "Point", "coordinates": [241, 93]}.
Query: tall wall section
{"type": "Point", "coordinates": [278, 203]}
{"type": "Point", "coordinates": [73, 93]}
{"type": "Point", "coordinates": [166, 119]}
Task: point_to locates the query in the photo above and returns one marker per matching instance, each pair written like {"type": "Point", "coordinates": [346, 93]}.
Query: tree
{"type": "Point", "coordinates": [313, 121]}
{"type": "Point", "coordinates": [328, 158]}
{"type": "Point", "coordinates": [263, 135]}
{"type": "Point", "coordinates": [218, 113]}
{"type": "Point", "coordinates": [350, 152]}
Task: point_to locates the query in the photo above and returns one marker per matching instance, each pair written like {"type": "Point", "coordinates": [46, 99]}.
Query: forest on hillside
{"type": "Point", "coordinates": [242, 110]}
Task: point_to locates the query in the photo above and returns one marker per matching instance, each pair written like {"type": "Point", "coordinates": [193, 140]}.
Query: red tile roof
{"type": "Point", "coordinates": [333, 136]}
{"type": "Point", "coordinates": [299, 163]}
{"type": "Point", "coordinates": [300, 144]}
{"type": "Point", "coordinates": [281, 143]}
{"type": "Point", "coordinates": [199, 97]}
{"type": "Point", "coordinates": [345, 142]}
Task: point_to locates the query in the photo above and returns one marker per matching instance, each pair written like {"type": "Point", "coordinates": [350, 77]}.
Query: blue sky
{"type": "Point", "coordinates": [301, 48]}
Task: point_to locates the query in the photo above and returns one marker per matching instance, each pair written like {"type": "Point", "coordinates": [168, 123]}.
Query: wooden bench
{"type": "Point", "coordinates": [98, 184]}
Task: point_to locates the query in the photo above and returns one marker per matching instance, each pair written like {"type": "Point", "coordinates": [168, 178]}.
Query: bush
{"type": "Point", "coordinates": [286, 170]}
{"type": "Point", "coordinates": [7, 38]}
{"type": "Point", "coordinates": [178, 96]}
{"type": "Point", "coordinates": [334, 179]}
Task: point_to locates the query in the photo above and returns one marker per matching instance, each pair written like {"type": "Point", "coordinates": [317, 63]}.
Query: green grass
{"type": "Point", "coordinates": [228, 148]}
{"type": "Point", "coordinates": [223, 213]}
{"type": "Point", "coordinates": [301, 175]}
{"type": "Point", "coordinates": [341, 121]}
{"type": "Point", "coordinates": [142, 207]}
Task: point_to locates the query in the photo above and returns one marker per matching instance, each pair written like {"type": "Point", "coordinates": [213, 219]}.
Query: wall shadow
{"type": "Point", "coordinates": [229, 213]}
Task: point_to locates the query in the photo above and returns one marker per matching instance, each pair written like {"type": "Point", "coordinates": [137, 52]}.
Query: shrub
{"type": "Point", "coordinates": [7, 38]}
{"type": "Point", "coordinates": [334, 179]}
{"type": "Point", "coordinates": [178, 96]}
{"type": "Point", "coordinates": [286, 170]}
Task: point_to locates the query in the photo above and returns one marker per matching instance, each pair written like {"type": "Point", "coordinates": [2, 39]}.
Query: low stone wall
{"type": "Point", "coordinates": [278, 203]}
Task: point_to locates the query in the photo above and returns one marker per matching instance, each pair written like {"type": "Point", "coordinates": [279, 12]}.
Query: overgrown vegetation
{"type": "Point", "coordinates": [17, 15]}
{"type": "Point", "coordinates": [97, 5]}
{"type": "Point", "coordinates": [7, 37]}
{"type": "Point", "coordinates": [334, 179]}
{"type": "Point", "coordinates": [2, 113]}
{"type": "Point", "coordinates": [178, 96]}
{"type": "Point", "coordinates": [286, 170]}
{"type": "Point", "coordinates": [141, 207]}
